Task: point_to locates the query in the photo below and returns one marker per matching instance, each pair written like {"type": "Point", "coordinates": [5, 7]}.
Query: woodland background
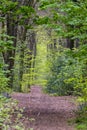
{"type": "Point", "coordinates": [44, 42]}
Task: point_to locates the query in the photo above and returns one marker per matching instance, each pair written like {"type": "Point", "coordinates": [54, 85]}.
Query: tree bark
{"type": "Point", "coordinates": [22, 37]}
{"type": "Point", "coordinates": [9, 55]}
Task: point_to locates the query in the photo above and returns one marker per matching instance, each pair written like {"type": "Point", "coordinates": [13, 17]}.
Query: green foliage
{"type": "Point", "coordinates": [26, 82]}
{"type": "Point", "coordinates": [41, 66]}
{"type": "Point", "coordinates": [15, 9]}
{"type": "Point", "coordinates": [42, 20]}
{"type": "Point", "coordinates": [6, 44]}
{"type": "Point", "coordinates": [82, 76]}
{"type": "Point", "coordinates": [3, 80]}
{"type": "Point", "coordinates": [69, 20]}
{"type": "Point", "coordinates": [6, 111]}
{"type": "Point", "coordinates": [7, 5]}
{"type": "Point", "coordinates": [61, 74]}
{"type": "Point", "coordinates": [81, 119]}
{"type": "Point", "coordinates": [68, 73]}
{"type": "Point", "coordinates": [11, 115]}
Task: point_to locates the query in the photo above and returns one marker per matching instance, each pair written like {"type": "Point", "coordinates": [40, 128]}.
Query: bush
{"type": "Point", "coordinates": [68, 73]}
{"type": "Point", "coordinates": [81, 119]}
{"type": "Point", "coordinates": [11, 116]}
{"type": "Point", "coordinates": [60, 71]}
{"type": "Point", "coordinates": [3, 80]}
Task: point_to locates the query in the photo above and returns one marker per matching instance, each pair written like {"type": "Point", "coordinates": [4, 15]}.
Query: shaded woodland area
{"type": "Point", "coordinates": [43, 42]}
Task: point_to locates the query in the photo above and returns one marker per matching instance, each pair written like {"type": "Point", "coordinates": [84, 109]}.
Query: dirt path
{"type": "Point", "coordinates": [50, 113]}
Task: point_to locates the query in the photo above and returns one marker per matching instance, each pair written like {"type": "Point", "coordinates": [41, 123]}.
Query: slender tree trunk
{"type": "Point", "coordinates": [9, 55]}
{"type": "Point", "coordinates": [32, 53]}
{"type": "Point", "coordinates": [22, 37]}
{"type": "Point", "coordinates": [34, 50]}
{"type": "Point", "coordinates": [32, 46]}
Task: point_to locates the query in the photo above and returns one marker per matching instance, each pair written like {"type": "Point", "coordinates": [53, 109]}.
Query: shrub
{"type": "Point", "coordinates": [60, 71]}
{"type": "Point", "coordinates": [3, 80]}
{"type": "Point", "coordinates": [68, 73]}
{"type": "Point", "coordinates": [11, 116]}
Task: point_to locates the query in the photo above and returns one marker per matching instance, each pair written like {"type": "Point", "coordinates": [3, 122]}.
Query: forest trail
{"type": "Point", "coordinates": [48, 112]}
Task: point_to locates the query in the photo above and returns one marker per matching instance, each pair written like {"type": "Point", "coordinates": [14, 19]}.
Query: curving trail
{"type": "Point", "coordinates": [48, 112]}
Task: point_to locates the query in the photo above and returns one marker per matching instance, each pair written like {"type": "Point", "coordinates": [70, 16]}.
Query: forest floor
{"type": "Point", "coordinates": [46, 112]}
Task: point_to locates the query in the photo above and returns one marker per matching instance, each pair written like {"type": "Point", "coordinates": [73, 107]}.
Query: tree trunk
{"type": "Point", "coordinates": [70, 43]}
{"type": "Point", "coordinates": [9, 55]}
{"type": "Point", "coordinates": [32, 52]}
{"type": "Point", "coordinates": [22, 37]}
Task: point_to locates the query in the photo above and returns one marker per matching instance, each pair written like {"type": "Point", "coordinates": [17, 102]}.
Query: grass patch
{"type": "Point", "coordinates": [81, 120]}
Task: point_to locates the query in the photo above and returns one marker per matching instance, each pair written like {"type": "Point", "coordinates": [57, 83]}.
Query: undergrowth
{"type": "Point", "coordinates": [11, 116]}
{"type": "Point", "coordinates": [81, 119]}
